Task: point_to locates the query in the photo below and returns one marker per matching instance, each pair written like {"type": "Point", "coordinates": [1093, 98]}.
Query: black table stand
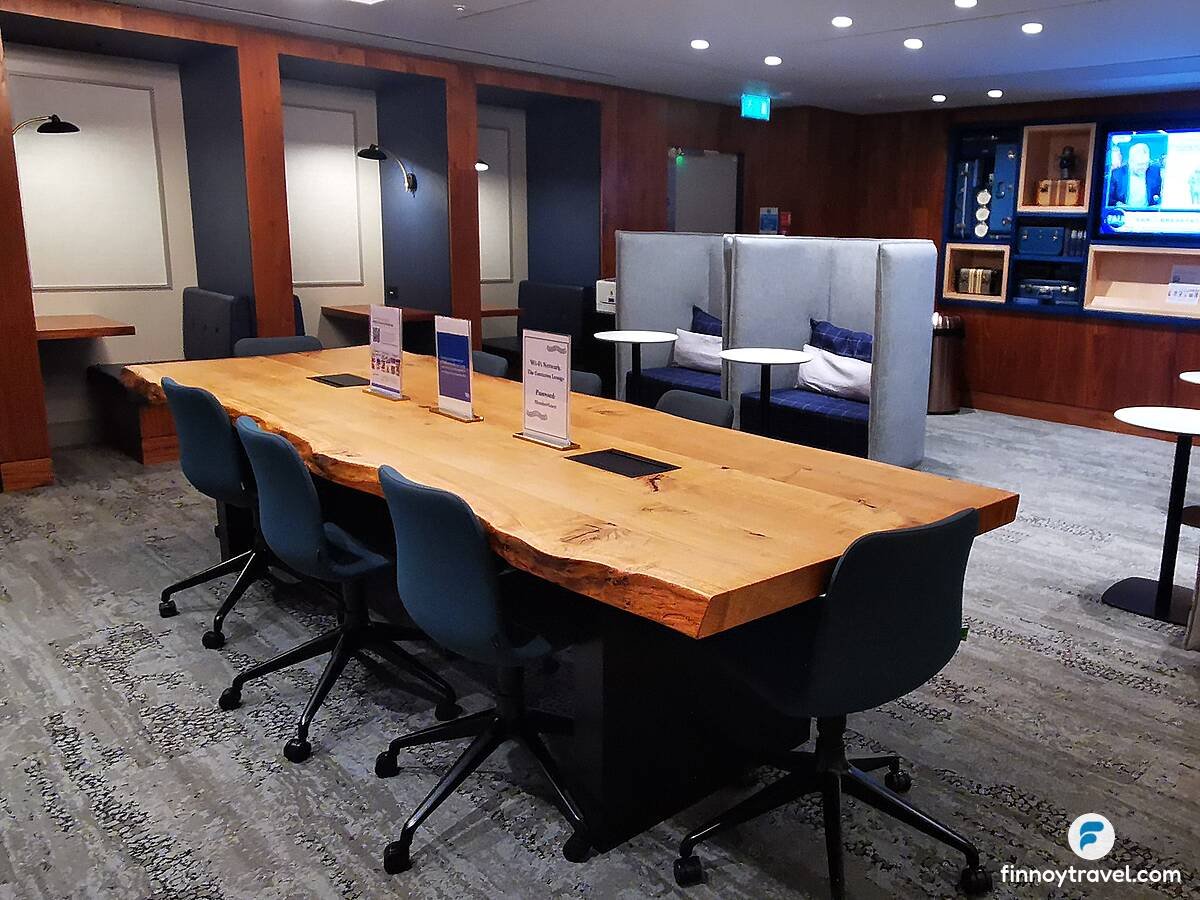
{"type": "Point", "coordinates": [764, 397]}
{"type": "Point", "coordinates": [635, 383]}
{"type": "Point", "coordinates": [1161, 599]}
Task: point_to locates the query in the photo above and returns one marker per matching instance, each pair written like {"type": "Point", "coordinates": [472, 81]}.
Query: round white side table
{"type": "Point", "coordinates": [635, 339]}
{"type": "Point", "coordinates": [765, 358]}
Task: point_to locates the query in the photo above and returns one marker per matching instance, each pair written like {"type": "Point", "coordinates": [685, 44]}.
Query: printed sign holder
{"type": "Point", "coordinates": [383, 396]}
{"type": "Point", "coordinates": [387, 346]}
{"type": "Point", "coordinates": [546, 360]}
{"type": "Point", "coordinates": [545, 442]}
{"type": "Point", "coordinates": [450, 415]}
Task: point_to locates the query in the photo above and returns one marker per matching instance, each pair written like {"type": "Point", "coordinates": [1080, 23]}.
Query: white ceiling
{"type": "Point", "coordinates": [1088, 48]}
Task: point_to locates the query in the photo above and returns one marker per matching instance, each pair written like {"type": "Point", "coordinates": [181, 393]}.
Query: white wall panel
{"type": "Point", "coordinates": [93, 201]}
{"type": "Point", "coordinates": [495, 206]}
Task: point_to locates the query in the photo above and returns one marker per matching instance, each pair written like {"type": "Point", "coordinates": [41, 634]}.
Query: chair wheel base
{"type": "Point", "coordinates": [577, 848]}
{"type": "Point", "coordinates": [231, 698]}
{"type": "Point", "coordinates": [975, 881]}
{"type": "Point", "coordinates": [689, 871]}
{"type": "Point", "coordinates": [386, 766]}
{"type": "Point", "coordinates": [395, 858]}
{"type": "Point", "coordinates": [167, 609]}
{"type": "Point", "coordinates": [297, 750]}
{"type": "Point", "coordinates": [900, 781]}
{"type": "Point", "coordinates": [446, 711]}
{"type": "Point", "coordinates": [213, 640]}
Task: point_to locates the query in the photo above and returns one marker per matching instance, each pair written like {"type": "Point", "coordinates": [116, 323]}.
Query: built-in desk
{"type": "Point", "coordinates": [68, 328]}
{"type": "Point", "coordinates": [744, 528]}
{"type": "Point", "coordinates": [361, 312]}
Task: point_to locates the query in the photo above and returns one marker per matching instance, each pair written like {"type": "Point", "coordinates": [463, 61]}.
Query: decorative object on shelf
{"type": "Point", "coordinates": [1004, 190]}
{"type": "Point", "coordinates": [966, 185]}
{"type": "Point", "coordinates": [1041, 240]}
{"type": "Point", "coordinates": [1184, 289]}
{"type": "Point", "coordinates": [985, 282]}
{"type": "Point", "coordinates": [1057, 192]}
{"type": "Point", "coordinates": [376, 153]}
{"type": "Point", "coordinates": [1048, 291]}
{"type": "Point", "coordinates": [1076, 241]}
{"type": "Point", "coordinates": [51, 124]}
{"type": "Point", "coordinates": [1067, 161]}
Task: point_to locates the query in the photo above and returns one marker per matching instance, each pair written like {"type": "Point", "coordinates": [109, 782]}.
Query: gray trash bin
{"type": "Point", "coordinates": [945, 370]}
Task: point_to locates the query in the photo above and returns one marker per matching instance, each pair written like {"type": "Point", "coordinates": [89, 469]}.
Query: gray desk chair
{"type": "Point", "coordinates": [290, 516]}
{"type": "Point", "coordinates": [890, 620]}
{"type": "Point", "coordinates": [489, 363]}
{"type": "Point", "coordinates": [447, 577]}
{"type": "Point", "coordinates": [586, 383]}
{"type": "Point", "coordinates": [213, 462]}
{"type": "Point", "coordinates": [274, 346]}
{"type": "Point", "coordinates": [697, 407]}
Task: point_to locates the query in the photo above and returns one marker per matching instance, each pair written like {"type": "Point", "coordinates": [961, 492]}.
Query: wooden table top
{"type": "Point", "coordinates": [361, 312]}
{"type": "Point", "coordinates": [745, 527]}
{"type": "Point", "coordinates": [65, 328]}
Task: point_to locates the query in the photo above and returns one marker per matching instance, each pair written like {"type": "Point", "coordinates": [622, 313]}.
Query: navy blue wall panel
{"type": "Point", "coordinates": [563, 175]}
{"type": "Point", "coordinates": [212, 119]}
{"type": "Point", "coordinates": [416, 229]}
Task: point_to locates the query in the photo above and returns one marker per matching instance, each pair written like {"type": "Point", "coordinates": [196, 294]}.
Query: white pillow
{"type": "Point", "coordinates": [838, 376]}
{"type": "Point", "coordinates": [698, 351]}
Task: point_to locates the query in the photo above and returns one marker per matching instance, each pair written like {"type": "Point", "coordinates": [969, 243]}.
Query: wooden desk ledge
{"type": "Point", "coordinates": [745, 527]}
{"type": "Point", "coordinates": [66, 328]}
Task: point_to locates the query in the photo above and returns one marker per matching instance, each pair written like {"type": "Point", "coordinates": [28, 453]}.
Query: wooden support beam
{"type": "Point", "coordinates": [462, 136]}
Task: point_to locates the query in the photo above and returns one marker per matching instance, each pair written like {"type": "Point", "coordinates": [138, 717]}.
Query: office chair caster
{"type": "Point", "coordinates": [975, 881]}
{"type": "Point", "coordinates": [898, 781]}
{"type": "Point", "coordinates": [689, 871]}
{"type": "Point", "coordinates": [231, 698]}
{"type": "Point", "coordinates": [297, 750]}
{"type": "Point", "coordinates": [213, 640]}
{"type": "Point", "coordinates": [167, 608]}
{"type": "Point", "coordinates": [395, 858]}
{"type": "Point", "coordinates": [447, 710]}
{"type": "Point", "coordinates": [577, 848]}
{"type": "Point", "coordinates": [386, 766]}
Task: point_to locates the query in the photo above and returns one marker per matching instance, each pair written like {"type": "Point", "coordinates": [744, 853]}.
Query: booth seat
{"type": "Point", "coordinates": [816, 420]}
{"type": "Point", "coordinates": [657, 381]}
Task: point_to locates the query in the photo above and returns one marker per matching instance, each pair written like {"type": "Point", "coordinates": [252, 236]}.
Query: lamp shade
{"type": "Point", "coordinates": [374, 153]}
{"type": "Point", "coordinates": [55, 125]}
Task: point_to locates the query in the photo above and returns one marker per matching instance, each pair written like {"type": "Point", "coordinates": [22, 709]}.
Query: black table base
{"type": "Point", "coordinates": [1140, 596]}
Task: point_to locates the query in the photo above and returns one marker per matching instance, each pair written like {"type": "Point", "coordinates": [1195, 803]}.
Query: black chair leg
{"type": "Point", "coordinates": [396, 856]}
{"type": "Point", "coordinates": [232, 697]}
{"type": "Point", "coordinates": [578, 846]}
{"type": "Point", "coordinates": [298, 749]}
{"type": "Point", "coordinates": [468, 726]}
{"type": "Point", "coordinates": [447, 707]}
{"type": "Point", "coordinates": [859, 786]}
{"type": "Point", "coordinates": [831, 801]}
{"type": "Point", "coordinates": [255, 568]}
{"type": "Point", "coordinates": [166, 606]}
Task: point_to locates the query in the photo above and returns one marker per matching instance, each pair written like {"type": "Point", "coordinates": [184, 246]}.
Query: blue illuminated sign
{"type": "Point", "coordinates": [756, 106]}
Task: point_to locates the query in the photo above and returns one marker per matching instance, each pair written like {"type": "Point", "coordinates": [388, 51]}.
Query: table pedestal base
{"type": "Point", "coordinates": [1137, 595]}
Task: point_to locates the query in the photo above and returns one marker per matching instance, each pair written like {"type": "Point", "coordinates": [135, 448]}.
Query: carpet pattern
{"type": "Point", "coordinates": [120, 777]}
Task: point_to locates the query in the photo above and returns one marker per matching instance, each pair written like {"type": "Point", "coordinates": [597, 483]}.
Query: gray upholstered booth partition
{"type": "Point", "coordinates": [885, 287]}
{"type": "Point", "coordinates": [660, 277]}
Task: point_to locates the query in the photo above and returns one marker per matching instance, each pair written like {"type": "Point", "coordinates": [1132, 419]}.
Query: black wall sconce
{"type": "Point", "coordinates": [378, 154]}
{"type": "Point", "coordinates": [51, 124]}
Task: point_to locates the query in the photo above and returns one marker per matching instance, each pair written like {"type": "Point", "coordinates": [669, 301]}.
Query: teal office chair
{"type": "Point", "coordinates": [294, 529]}
{"type": "Point", "coordinates": [214, 464]}
{"type": "Point", "coordinates": [890, 620]}
{"type": "Point", "coordinates": [274, 346]}
{"type": "Point", "coordinates": [697, 407]}
{"type": "Point", "coordinates": [489, 363]}
{"type": "Point", "coordinates": [586, 383]}
{"type": "Point", "coordinates": [447, 578]}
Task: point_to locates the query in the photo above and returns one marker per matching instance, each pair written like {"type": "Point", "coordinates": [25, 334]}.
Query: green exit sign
{"type": "Point", "coordinates": [756, 106]}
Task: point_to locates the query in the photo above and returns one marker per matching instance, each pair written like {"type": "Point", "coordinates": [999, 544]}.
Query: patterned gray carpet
{"type": "Point", "coordinates": [119, 777]}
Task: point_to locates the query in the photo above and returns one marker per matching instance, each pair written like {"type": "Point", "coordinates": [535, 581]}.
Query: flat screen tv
{"type": "Point", "coordinates": [1152, 184]}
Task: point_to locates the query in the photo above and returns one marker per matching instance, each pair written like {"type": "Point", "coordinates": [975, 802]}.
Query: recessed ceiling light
{"type": "Point", "coordinates": [913, 43]}
{"type": "Point", "coordinates": [1032, 28]}
{"type": "Point", "coordinates": [938, 98]}
{"type": "Point", "coordinates": [966, 4]}
{"type": "Point", "coordinates": [841, 21]}
{"type": "Point", "coordinates": [995, 93]}
{"type": "Point", "coordinates": [773, 61]}
{"type": "Point", "coordinates": [700, 44]}
{"type": "Point", "coordinates": [367, 2]}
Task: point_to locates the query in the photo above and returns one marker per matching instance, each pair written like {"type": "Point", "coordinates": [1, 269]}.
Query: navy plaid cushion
{"type": "Point", "coordinates": [822, 405]}
{"type": "Point", "coordinates": [704, 323]}
{"type": "Point", "coordinates": [686, 379]}
{"type": "Point", "coordinates": [842, 341]}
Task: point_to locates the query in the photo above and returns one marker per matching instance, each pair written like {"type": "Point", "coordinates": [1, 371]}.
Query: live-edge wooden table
{"type": "Point", "coordinates": [744, 528]}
